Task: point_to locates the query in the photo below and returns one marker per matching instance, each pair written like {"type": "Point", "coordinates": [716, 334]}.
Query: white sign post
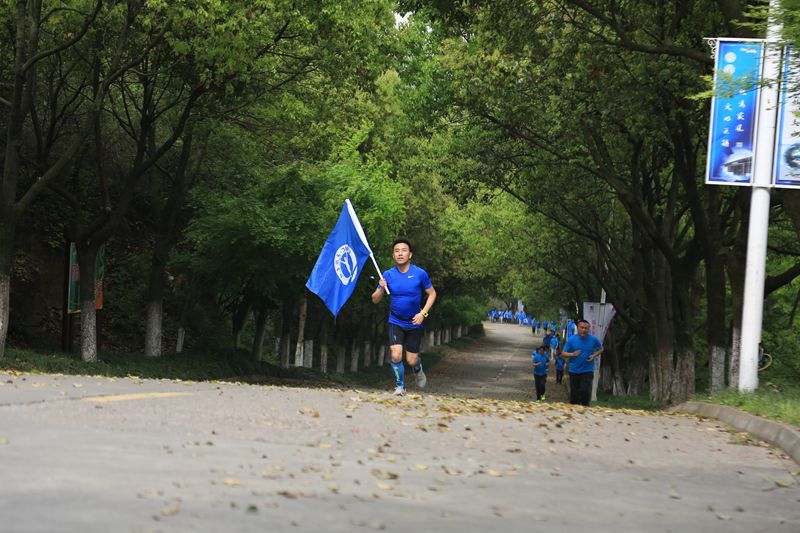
{"type": "Point", "coordinates": [753, 304]}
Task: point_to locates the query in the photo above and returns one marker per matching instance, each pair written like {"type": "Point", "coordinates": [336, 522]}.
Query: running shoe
{"type": "Point", "coordinates": [399, 391]}
{"type": "Point", "coordinates": [421, 379]}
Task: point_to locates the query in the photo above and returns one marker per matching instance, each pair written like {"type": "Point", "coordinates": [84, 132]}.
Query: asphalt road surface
{"type": "Point", "coordinates": [472, 453]}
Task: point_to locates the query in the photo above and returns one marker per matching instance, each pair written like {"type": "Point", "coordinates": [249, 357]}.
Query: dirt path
{"type": "Point", "coordinates": [497, 366]}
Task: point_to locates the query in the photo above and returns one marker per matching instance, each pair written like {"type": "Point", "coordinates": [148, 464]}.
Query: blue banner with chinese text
{"type": "Point", "coordinates": [734, 113]}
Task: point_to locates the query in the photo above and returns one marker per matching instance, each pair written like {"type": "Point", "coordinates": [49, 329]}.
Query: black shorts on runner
{"type": "Point", "coordinates": [410, 338]}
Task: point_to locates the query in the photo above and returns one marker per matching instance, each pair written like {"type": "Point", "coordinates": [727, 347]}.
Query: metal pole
{"type": "Point", "coordinates": [753, 312]}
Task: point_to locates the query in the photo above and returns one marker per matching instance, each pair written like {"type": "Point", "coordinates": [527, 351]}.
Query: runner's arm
{"type": "Point", "coordinates": [377, 296]}
{"type": "Point", "coordinates": [420, 317]}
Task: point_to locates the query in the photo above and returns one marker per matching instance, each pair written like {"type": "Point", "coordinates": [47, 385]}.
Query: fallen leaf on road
{"type": "Point", "coordinates": [382, 474]}
{"type": "Point", "coordinates": [451, 471]}
{"type": "Point", "coordinates": [171, 510]}
{"type": "Point", "coordinates": [230, 482]}
{"type": "Point", "coordinates": [384, 486]}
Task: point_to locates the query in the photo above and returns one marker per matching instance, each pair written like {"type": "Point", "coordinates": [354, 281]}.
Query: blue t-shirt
{"type": "Point", "coordinates": [560, 362]}
{"type": "Point", "coordinates": [540, 370]}
{"type": "Point", "coordinates": [587, 346]}
{"type": "Point", "coordinates": [406, 294]}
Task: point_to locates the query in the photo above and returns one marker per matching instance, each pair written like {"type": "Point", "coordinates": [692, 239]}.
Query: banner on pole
{"type": "Point", "coordinates": [74, 290]}
{"type": "Point", "coordinates": [786, 172]}
{"type": "Point", "coordinates": [599, 316]}
{"type": "Point", "coordinates": [734, 112]}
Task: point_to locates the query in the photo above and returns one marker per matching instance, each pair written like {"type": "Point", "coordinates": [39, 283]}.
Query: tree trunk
{"type": "Point", "coordinates": [323, 358]}
{"type": "Point", "coordinates": [88, 331]}
{"type": "Point", "coordinates": [260, 333]}
{"type": "Point", "coordinates": [5, 291]}
{"type": "Point", "coordinates": [354, 355]}
{"type": "Point", "coordinates": [6, 260]}
{"type": "Point", "coordinates": [323, 346]}
{"type": "Point", "coordinates": [153, 329]}
{"type": "Point", "coordinates": [301, 329]}
{"type": "Point", "coordinates": [367, 354]}
{"type": "Point", "coordinates": [308, 353]}
{"type": "Point", "coordinates": [382, 350]}
{"type": "Point", "coordinates": [179, 341]}
{"type": "Point", "coordinates": [87, 261]}
{"type": "Point", "coordinates": [340, 358]}
{"type": "Point", "coordinates": [716, 364]}
{"type": "Point", "coordinates": [286, 333]}
{"type": "Point", "coordinates": [239, 319]}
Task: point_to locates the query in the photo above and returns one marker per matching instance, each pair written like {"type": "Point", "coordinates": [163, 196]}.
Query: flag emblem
{"type": "Point", "coordinates": [345, 264]}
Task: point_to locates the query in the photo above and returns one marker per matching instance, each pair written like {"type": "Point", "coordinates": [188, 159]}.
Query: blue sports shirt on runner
{"type": "Point", "coordinates": [587, 346]}
{"type": "Point", "coordinates": [406, 294]}
{"type": "Point", "coordinates": [540, 370]}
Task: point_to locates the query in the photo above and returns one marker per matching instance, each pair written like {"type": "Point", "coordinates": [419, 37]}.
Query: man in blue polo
{"type": "Point", "coordinates": [406, 283]}
{"type": "Point", "coordinates": [581, 350]}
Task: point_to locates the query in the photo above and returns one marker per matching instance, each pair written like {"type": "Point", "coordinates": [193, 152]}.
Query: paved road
{"type": "Point", "coordinates": [93, 454]}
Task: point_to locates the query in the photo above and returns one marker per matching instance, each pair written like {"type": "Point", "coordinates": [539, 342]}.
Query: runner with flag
{"type": "Point", "coordinates": [406, 282]}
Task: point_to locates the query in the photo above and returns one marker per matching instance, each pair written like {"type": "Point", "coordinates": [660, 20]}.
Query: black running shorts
{"type": "Point", "coordinates": [409, 338]}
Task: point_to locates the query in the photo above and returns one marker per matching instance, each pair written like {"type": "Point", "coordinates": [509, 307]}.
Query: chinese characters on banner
{"type": "Point", "coordinates": [591, 312]}
{"type": "Point", "coordinates": [787, 142]}
{"type": "Point", "coordinates": [734, 113]}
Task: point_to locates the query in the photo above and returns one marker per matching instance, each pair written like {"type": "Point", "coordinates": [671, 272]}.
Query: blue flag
{"type": "Point", "coordinates": [339, 264]}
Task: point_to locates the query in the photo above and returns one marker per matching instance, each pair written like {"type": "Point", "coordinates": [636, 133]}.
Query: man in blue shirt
{"type": "Point", "coordinates": [581, 350]}
{"type": "Point", "coordinates": [540, 362]}
{"type": "Point", "coordinates": [406, 283]}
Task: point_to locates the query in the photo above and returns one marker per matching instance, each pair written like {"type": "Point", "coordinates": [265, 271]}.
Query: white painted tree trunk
{"type": "Point", "coordinates": [5, 292]}
{"type": "Point", "coordinates": [88, 331]}
{"type": "Point", "coordinates": [298, 351]}
{"type": "Point", "coordinates": [153, 332]}
{"type": "Point", "coordinates": [367, 354]}
{"type": "Point", "coordinates": [308, 353]}
{"type": "Point", "coordinates": [736, 351]}
{"type": "Point", "coordinates": [717, 368]}
{"type": "Point", "coordinates": [340, 355]}
{"type": "Point", "coordinates": [383, 352]}
{"type": "Point", "coordinates": [354, 355]}
{"type": "Point", "coordinates": [181, 337]}
{"type": "Point", "coordinates": [286, 348]}
{"type": "Point", "coordinates": [323, 358]}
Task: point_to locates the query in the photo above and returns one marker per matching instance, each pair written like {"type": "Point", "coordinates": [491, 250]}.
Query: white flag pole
{"type": "Point", "coordinates": [379, 272]}
{"type": "Point", "coordinates": [360, 231]}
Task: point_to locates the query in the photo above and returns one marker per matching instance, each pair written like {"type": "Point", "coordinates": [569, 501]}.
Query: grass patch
{"type": "Point", "coordinates": [641, 402]}
{"type": "Point", "coordinates": [771, 401]}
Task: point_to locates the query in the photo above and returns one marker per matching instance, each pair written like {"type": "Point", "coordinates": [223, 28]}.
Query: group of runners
{"type": "Point", "coordinates": [406, 284]}
{"type": "Point", "coordinates": [577, 353]}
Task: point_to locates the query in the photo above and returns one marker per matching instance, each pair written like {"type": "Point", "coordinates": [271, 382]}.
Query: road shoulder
{"type": "Point", "coordinates": [784, 436]}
